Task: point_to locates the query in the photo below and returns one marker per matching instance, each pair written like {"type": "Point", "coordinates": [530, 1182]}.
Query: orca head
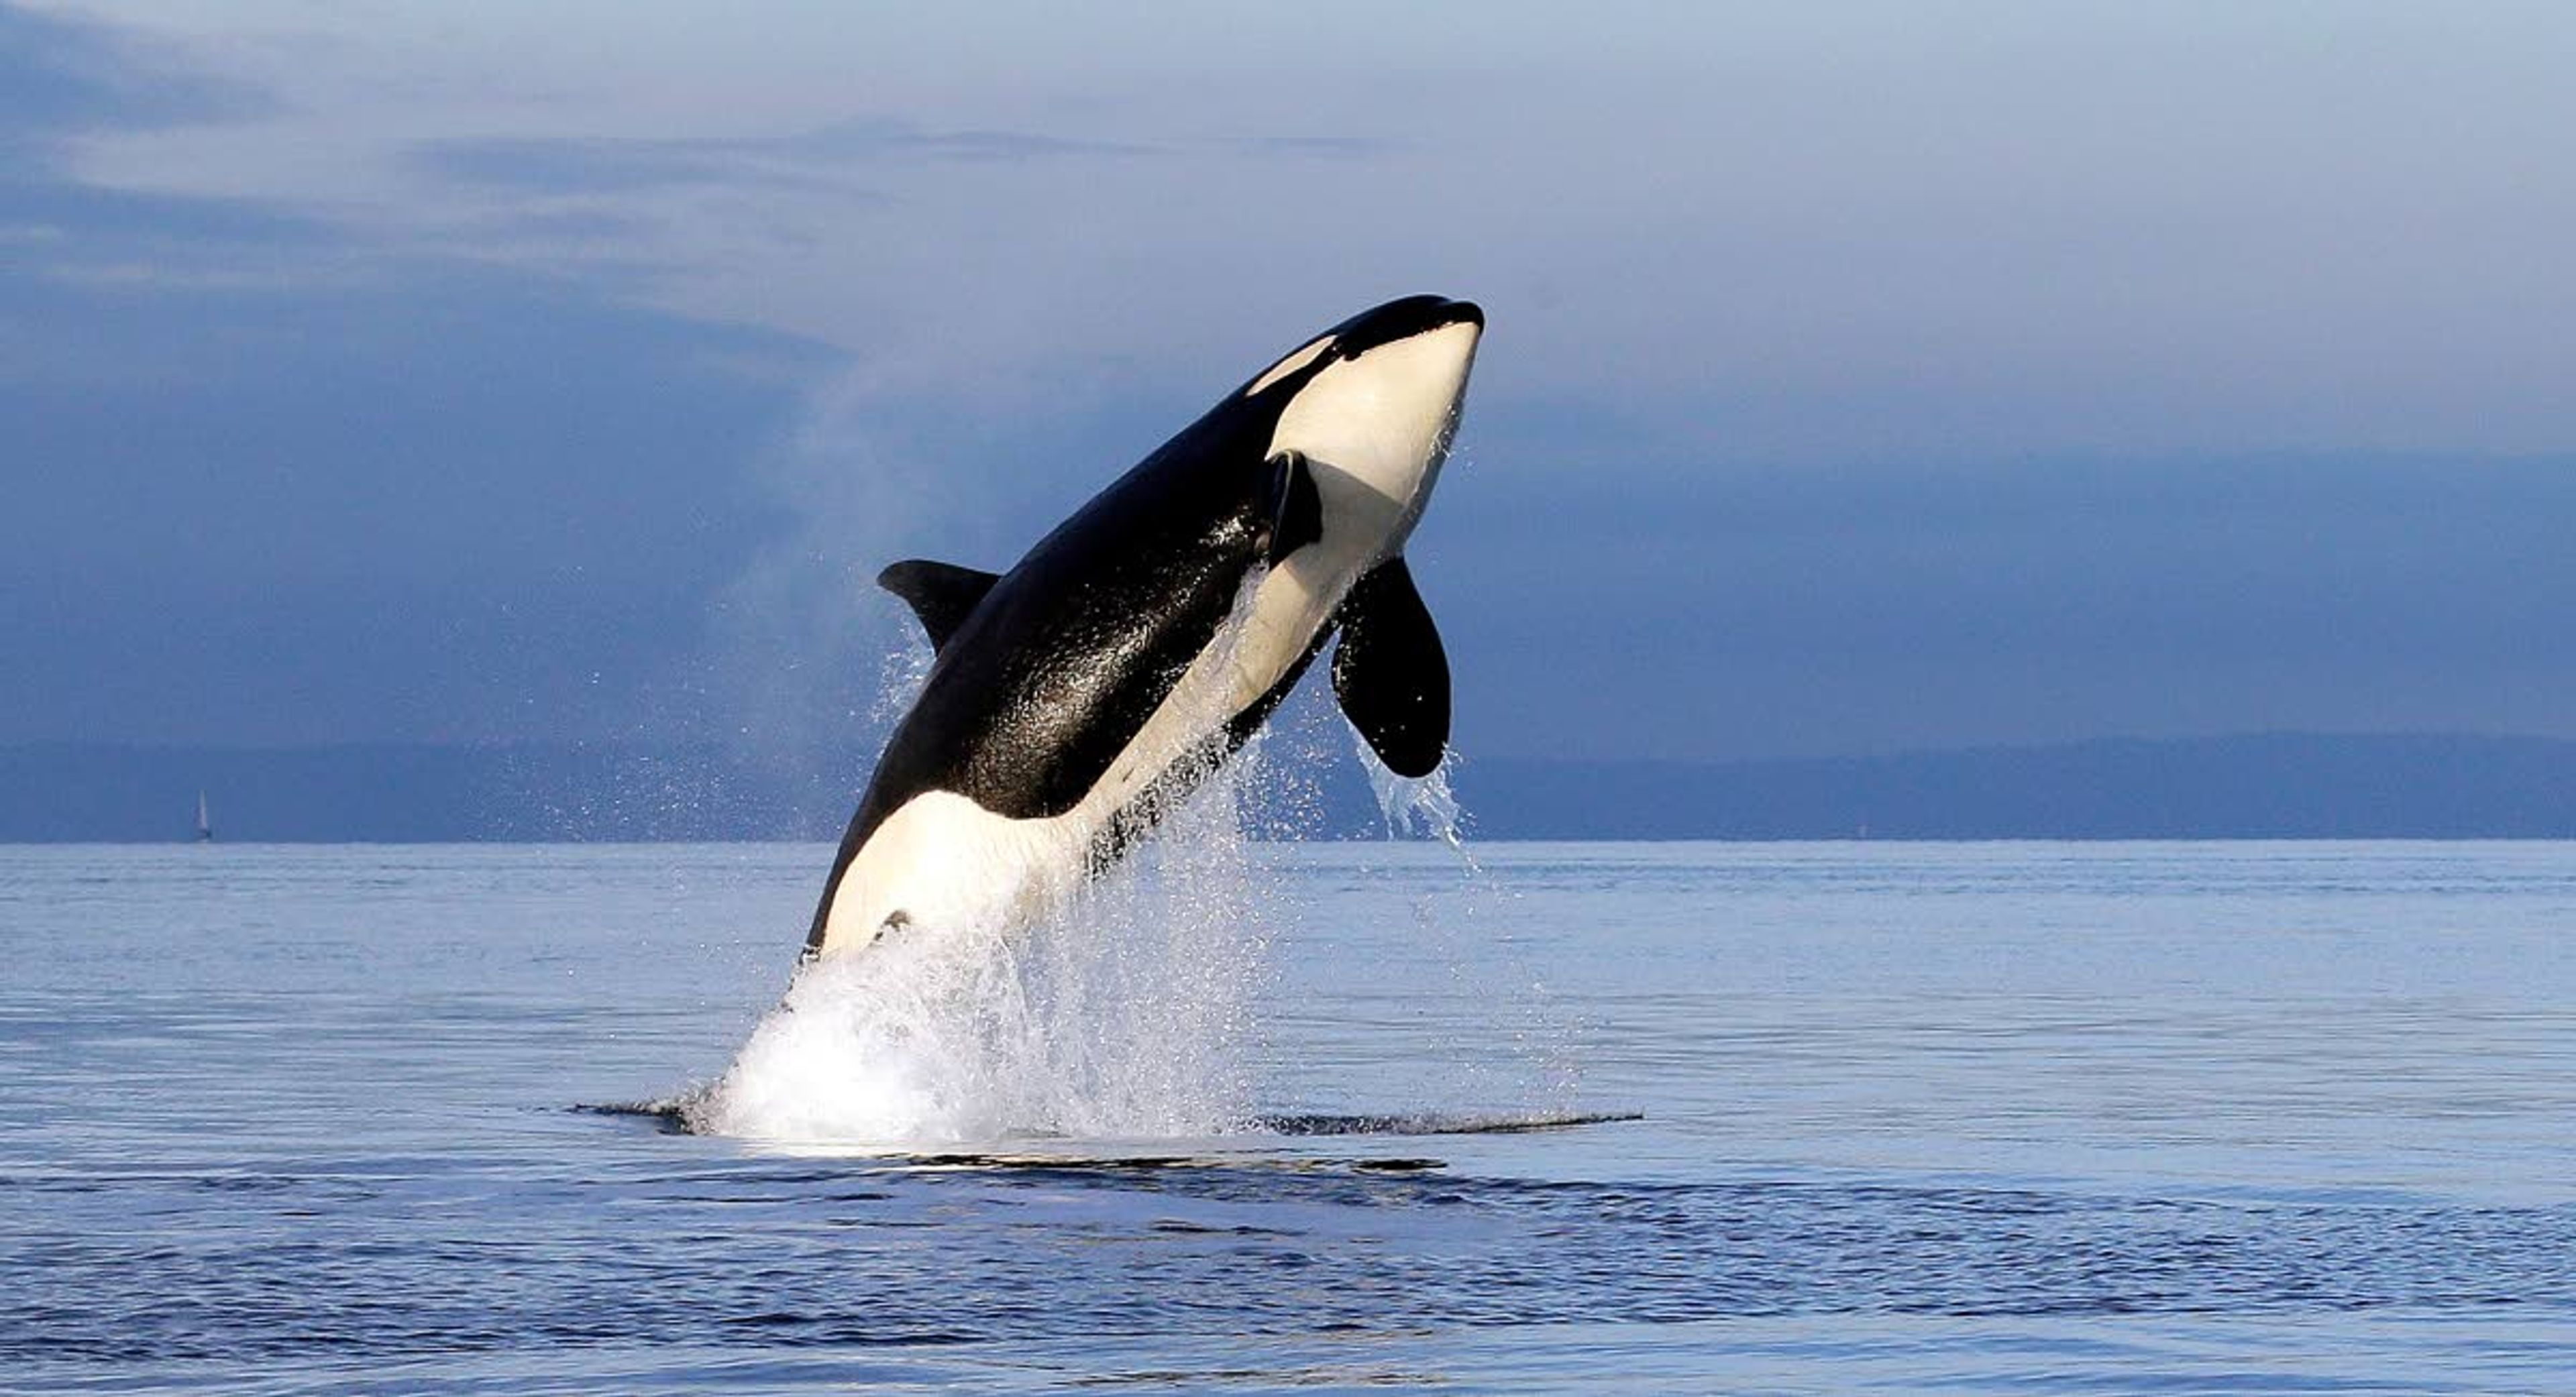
{"type": "Point", "coordinates": [1375, 399]}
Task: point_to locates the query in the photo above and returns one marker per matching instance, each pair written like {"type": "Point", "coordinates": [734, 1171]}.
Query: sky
{"type": "Point", "coordinates": [1859, 378]}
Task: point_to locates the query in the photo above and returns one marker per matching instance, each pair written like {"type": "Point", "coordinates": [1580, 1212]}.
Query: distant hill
{"type": "Point", "coordinates": [406, 793]}
{"type": "Point", "coordinates": [2267, 786]}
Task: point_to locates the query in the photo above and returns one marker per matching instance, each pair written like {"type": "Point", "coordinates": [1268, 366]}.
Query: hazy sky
{"type": "Point", "coordinates": [1859, 377]}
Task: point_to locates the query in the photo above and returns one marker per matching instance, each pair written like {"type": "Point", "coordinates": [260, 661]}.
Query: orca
{"type": "Point", "coordinates": [1076, 696]}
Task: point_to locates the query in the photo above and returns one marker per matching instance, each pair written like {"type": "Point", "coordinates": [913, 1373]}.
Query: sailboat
{"type": "Point", "coordinates": [205, 823]}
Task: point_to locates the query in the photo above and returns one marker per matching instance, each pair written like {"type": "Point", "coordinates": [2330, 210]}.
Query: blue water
{"type": "Point", "coordinates": [2170, 1118]}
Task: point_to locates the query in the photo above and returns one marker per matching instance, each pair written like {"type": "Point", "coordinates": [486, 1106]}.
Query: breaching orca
{"type": "Point", "coordinates": [1076, 696]}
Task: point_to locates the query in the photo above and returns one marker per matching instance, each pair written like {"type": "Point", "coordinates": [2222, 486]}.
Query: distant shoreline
{"type": "Point", "coordinates": [2269, 786]}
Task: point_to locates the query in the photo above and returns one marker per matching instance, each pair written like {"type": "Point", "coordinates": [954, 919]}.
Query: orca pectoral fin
{"type": "Point", "coordinates": [1390, 673]}
{"type": "Point", "coordinates": [1296, 514]}
{"type": "Point", "coordinates": [941, 594]}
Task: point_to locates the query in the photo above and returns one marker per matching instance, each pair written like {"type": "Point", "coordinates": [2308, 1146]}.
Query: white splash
{"type": "Point", "coordinates": [1423, 804]}
{"type": "Point", "coordinates": [1122, 1015]}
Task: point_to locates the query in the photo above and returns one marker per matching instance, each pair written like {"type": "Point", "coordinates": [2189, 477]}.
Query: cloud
{"type": "Point", "coordinates": [35, 207]}
{"type": "Point", "coordinates": [1803, 611]}
{"type": "Point", "coordinates": [1314, 147]}
{"type": "Point", "coordinates": [825, 155]}
{"type": "Point", "coordinates": [61, 77]}
{"type": "Point", "coordinates": [472, 351]}
{"type": "Point", "coordinates": [883, 138]}
{"type": "Point", "coordinates": [273, 477]}
{"type": "Point", "coordinates": [576, 166]}
{"type": "Point", "coordinates": [62, 81]}
{"type": "Point", "coordinates": [448, 500]}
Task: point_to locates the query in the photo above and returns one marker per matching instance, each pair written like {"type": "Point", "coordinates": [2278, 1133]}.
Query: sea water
{"type": "Point", "coordinates": [2172, 1118]}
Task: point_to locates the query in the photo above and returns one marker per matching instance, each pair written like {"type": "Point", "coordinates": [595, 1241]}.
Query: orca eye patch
{"type": "Point", "coordinates": [1290, 365]}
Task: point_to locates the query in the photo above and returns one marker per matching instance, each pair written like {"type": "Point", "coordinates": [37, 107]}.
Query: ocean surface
{"type": "Point", "coordinates": [1905, 1118]}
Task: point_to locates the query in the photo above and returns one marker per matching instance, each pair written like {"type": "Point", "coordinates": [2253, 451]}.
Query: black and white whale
{"type": "Point", "coordinates": [1074, 697]}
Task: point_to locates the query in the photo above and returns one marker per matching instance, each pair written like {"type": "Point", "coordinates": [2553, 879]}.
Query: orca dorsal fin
{"type": "Point", "coordinates": [941, 594]}
{"type": "Point", "coordinates": [1389, 672]}
{"type": "Point", "coordinates": [1296, 514]}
